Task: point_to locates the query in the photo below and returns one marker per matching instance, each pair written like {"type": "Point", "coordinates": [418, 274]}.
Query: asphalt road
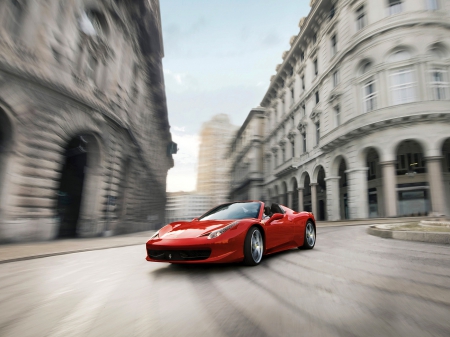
{"type": "Point", "coordinates": [351, 284]}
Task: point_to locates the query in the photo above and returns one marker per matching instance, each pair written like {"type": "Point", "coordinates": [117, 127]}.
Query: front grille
{"type": "Point", "coordinates": [179, 255]}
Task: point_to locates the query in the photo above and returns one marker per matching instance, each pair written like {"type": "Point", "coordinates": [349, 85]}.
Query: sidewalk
{"type": "Point", "coordinates": [28, 251]}
{"type": "Point", "coordinates": [35, 250]}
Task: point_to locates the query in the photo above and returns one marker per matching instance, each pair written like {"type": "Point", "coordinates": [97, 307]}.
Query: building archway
{"type": "Point", "coordinates": [374, 184]}
{"type": "Point", "coordinates": [275, 195]}
{"type": "Point", "coordinates": [343, 190]}
{"type": "Point", "coordinates": [413, 197]}
{"type": "Point", "coordinates": [284, 197]}
{"type": "Point", "coordinates": [321, 190]}
{"type": "Point", "coordinates": [5, 147]}
{"type": "Point", "coordinates": [295, 204]}
{"type": "Point", "coordinates": [307, 204]}
{"type": "Point", "coordinates": [77, 192]}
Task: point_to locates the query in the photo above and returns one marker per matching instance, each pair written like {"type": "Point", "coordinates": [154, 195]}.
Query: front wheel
{"type": "Point", "coordinates": [310, 236]}
{"type": "Point", "coordinates": [253, 247]}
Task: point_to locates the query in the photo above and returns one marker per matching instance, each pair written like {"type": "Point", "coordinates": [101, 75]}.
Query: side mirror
{"type": "Point", "coordinates": [276, 216]}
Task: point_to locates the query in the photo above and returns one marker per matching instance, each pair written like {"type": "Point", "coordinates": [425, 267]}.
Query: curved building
{"type": "Point", "coordinates": [84, 135]}
{"type": "Point", "coordinates": [358, 113]}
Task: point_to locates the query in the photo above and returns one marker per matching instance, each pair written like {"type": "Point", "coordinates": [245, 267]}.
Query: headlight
{"type": "Point", "coordinates": [154, 236]}
{"type": "Point", "coordinates": [219, 232]}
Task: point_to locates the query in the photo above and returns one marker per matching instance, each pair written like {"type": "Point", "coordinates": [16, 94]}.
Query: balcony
{"type": "Point", "coordinates": [288, 166]}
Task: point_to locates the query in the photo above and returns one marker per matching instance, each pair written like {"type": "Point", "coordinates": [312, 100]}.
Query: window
{"type": "Point", "coordinates": [304, 142]}
{"type": "Point", "coordinates": [317, 133]}
{"type": "Point", "coordinates": [292, 95]}
{"type": "Point", "coordinates": [360, 18]}
{"type": "Point", "coordinates": [314, 38]}
{"type": "Point", "coordinates": [333, 45]}
{"type": "Point", "coordinates": [303, 82]}
{"type": "Point", "coordinates": [316, 68]}
{"type": "Point", "coordinates": [402, 85]}
{"type": "Point", "coordinates": [291, 71]}
{"type": "Point", "coordinates": [275, 160]}
{"type": "Point", "coordinates": [283, 153]}
{"type": "Point", "coordinates": [395, 6]}
{"type": "Point", "coordinates": [335, 79]}
{"type": "Point", "coordinates": [369, 96]}
{"type": "Point", "coordinates": [432, 5]}
{"type": "Point", "coordinates": [438, 84]}
{"type": "Point", "coordinates": [303, 109]}
{"type": "Point", "coordinates": [317, 97]}
{"type": "Point", "coordinates": [332, 11]}
{"type": "Point", "coordinates": [293, 148]}
{"type": "Point", "coordinates": [400, 55]}
{"type": "Point", "coordinates": [302, 56]}
{"type": "Point", "coordinates": [337, 116]}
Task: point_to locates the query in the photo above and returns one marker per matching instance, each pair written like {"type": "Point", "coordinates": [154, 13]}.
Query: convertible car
{"type": "Point", "coordinates": [233, 232]}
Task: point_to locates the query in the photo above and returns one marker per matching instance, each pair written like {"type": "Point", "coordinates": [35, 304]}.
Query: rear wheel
{"type": "Point", "coordinates": [253, 247]}
{"type": "Point", "coordinates": [310, 236]}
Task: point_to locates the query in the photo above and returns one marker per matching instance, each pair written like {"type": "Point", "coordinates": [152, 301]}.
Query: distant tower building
{"type": "Point", "coordinates": [185, 206]}
{"type": "Point", "coordinates": [213, 177]}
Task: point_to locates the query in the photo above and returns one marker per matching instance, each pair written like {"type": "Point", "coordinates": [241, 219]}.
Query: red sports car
{"type": "Point", "coordinates": [233, 232]}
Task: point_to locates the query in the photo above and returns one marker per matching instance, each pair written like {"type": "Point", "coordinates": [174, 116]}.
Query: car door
{"type": "Point", "coordinates": [277, 232]}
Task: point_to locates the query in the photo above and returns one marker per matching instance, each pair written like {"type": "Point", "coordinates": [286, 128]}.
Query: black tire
{"type": "Point", "coordinates": [308, 241]}
{"type": "Point", "coordinates": [250, 256]}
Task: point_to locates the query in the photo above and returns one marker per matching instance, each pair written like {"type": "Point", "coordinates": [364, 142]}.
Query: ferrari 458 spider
{"type": "Point", "coordinates": [233, 232]}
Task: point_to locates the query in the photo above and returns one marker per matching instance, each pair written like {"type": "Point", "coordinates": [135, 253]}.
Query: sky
{"type": "Point", "coordinates": [219, 56]}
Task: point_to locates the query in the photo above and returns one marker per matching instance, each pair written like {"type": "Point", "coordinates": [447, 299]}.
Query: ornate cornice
{"type": "Point", "coordinates": [315, 115]}
{"type": "Point", "coordinates": [302, 126]}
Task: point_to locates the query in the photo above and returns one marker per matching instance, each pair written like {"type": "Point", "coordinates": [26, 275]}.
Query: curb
{"type": "Point", "coordinates": [33, 257]}
{"type": "Point", "coordinates": [431, 237]}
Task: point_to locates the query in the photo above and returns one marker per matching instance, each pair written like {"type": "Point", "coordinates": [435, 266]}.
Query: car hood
{"type": "Point", "coordinates": [191, 229]}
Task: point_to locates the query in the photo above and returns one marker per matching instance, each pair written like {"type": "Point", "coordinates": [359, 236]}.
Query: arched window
{"type": "Point", "coordinates": [366, 67]}
{"type": "Point", "coordinates": [399, 55]}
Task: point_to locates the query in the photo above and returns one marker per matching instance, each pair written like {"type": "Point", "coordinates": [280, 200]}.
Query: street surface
{"type": "Point", "coordinates": [351, 284]}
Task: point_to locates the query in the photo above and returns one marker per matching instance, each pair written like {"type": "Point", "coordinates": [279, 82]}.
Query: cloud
{"type": "Point", "coordinates": [180, 129]}
{"type": "Point", "coordinates": [183, 176]}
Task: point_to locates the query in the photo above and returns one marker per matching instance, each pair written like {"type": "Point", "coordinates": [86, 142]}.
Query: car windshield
{"type": "Point", "coordinates": [239, 210]}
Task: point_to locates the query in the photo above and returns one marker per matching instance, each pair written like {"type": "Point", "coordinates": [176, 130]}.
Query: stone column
{"type": "Point", "coordinates": [314, 198]}
{"type": "Point", "coordinates": [300, 199]}
{"type": "Point", "coordinates": [389, 188]}
{"type": "Point", "coordinates": [357, 193]}
{"type": "Point", "coordinates": [437, 196]}
{"type": "Point", "coordinates": [290, 200]}
{"type": "Point", "coordinates": [333, 198]}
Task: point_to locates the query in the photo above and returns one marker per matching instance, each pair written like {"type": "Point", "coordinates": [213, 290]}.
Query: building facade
{"type": "Point", "coordinates": [85, 144]}
{"type": "Point", "coordinates": [185, 206]}
{"type": "Point", "coordinates": [358, 113]}
{"type": "Point", "coordinates": [246, 155]}
{"type": "Point", "coordinates": [213, 175]}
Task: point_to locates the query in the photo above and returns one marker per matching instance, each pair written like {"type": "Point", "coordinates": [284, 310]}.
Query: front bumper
{"type": "Point", "coordinates": [196, 250]}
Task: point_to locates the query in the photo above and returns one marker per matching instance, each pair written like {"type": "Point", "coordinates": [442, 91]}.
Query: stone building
{"type": "Point", "coordinates": [213, 176]}
{"type": "Point", "coordinates": [246, 154]}
{"type": "Point", "coordinates": [186, 206]}
{"type": "Point", "coordinates": [358, 113]}
{"type": "Point", "coordinates": [84, 135]}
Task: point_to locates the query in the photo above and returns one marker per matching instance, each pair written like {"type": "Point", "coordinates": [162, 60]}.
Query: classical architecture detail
{"type": "Point", "coordinates": [247, 147]}
{"type": "Point", "coordinates": [84, 131]}
{"type": "Point", "coordinates": [371, 104]}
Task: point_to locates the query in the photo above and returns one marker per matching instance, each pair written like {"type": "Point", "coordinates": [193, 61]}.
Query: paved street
{"type": "Point", "coordinates": [351, 284]}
